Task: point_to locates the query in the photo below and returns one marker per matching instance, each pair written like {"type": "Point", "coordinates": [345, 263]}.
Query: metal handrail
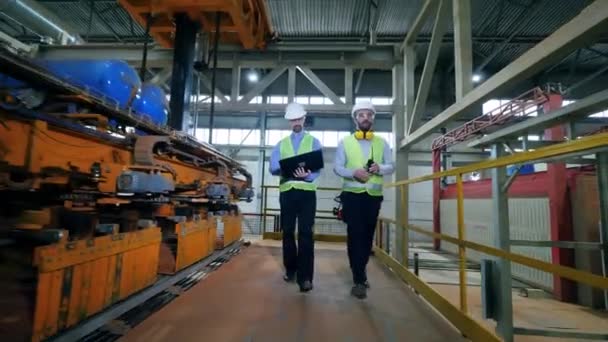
{"type": "Point", "coordinates": [460, 316]}
{"type": "Point", "coordinates": [265, 209]}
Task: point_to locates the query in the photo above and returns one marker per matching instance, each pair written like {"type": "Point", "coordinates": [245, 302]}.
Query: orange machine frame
{"type": "Point", "coordinates": [119, 265]}
{"type": "Point", "coordinates": [242, 21]}
{"type": "Point", "coordinates": [68, 290]}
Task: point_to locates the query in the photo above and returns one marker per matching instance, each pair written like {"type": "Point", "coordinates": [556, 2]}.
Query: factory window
{"type": "Point", "coordinates": [318, 100]}
{"type": "Point", "coordinates": [330, 138]}
{"type": "Point", "coordinates": [318, 135]}
{"type": "Point", "coordinates": [379, 101]}
{"type": "Point", "coordinates": [278, 99]}
{"type": "Point", "coordinates": [388, 136]}
{"type": "Point", "coordinates": [327, 138]}
{"type": "Point", "coordinates": [245, 137]}
{"type": "Point", "coordinates": [498, 106]}
{"type": "Point", "coordinates": [221, 136]}
{"type": "Point", "coordinates": [273, 136]}
{"type": "Point", "coordinates": [302, 100]}
{"type": "Point", "coordinates": [342, 135]}
{"type": "Point", "coordinates": [202, 134]}
{"type": "Point", "coordinates": [256, 100]}
{"type": "Point", "coordinates": [363, 99]}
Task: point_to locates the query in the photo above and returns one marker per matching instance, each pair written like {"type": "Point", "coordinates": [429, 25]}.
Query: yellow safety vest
{"type": "Point", "coordinates": [287, 151]}
{"type": "Point", "coordinates": [356, 160]}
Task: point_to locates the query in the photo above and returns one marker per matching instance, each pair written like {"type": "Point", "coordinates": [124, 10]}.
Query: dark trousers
{"type": "Point", "coordinates": [360, 212]}
{"type": "Point", "coordinates": [298, 205]}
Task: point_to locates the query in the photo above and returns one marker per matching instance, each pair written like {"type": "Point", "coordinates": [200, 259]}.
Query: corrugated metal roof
{"type": "Point", "coordinates": [492, 21]}
{"type": "Point", "coordinates": [318, 18]}
{"type": "Point", "coordinates": [107, 21]}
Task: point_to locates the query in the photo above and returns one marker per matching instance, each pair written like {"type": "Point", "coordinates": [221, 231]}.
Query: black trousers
{"type": "Point", "coordinates": [299, 205]}
{"type": "Point", "coordinates": [360, 212]}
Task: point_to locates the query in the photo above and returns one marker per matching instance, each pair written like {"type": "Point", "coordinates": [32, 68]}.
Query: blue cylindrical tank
{"type": "Point", "coordinates": [152, 102]}
{"type": "Point", "coordinates": [10, 83]}
{"type": "Point", "coordinates": [112, 79]}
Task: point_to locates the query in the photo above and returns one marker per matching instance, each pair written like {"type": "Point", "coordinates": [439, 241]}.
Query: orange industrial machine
{"type": "Point", "coordinates": [245, 22]}
{"type": "Point", "coordinates": [92, 210]}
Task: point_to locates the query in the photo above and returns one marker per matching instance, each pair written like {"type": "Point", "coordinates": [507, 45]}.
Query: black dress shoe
{"type": "Point", "coordinates": [306, 286]}
{"type": "Point", "coordinates": [289, 278]}
{"type": "Point", "coordinates": [359, 291]}
{"type": "Point", "coordinates": [366, 284]}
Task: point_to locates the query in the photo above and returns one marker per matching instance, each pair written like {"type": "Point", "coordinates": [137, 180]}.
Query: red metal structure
{"type": "Point", "coordinates": [516, 108]}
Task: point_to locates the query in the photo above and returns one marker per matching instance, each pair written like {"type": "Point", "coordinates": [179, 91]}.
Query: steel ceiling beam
{"type": "Point", "coordinates": [463, 48]}
{"type": "Point", "coordinates": [439, 28]}
{"type": "Point", "coordinates": [262, 84]}
{"type": "Point", "coordinates": [580, 31]}
{"type": "Point", "coordinates": [207, 82]}
{"type": "Point", "coordinates": [162, 76]}
{"type": "Point", "coordinates": [319, 84]}
{"type": "Point", "coordinates": [427, 9]}
{"type": "Point", "coordinates": [377, 58]}
{"type": "Point", "coordinates": [244, 108]}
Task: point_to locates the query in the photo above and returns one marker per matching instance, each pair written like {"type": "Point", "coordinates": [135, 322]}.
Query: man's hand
{"type": "Point", "coordinates": [361, 175]}
{"type": "Point", "coordinates": [301, 173]}
{"type": "Point", "coordinates": [375, 168]}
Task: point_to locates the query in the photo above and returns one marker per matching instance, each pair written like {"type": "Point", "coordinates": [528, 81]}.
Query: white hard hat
{"type": "Point", "coordinates": [294, 111]}
{"type": "Point", "coordinates": [363, 105]}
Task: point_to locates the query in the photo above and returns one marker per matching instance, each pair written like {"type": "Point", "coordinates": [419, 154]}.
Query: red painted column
{"type": "Point", "coordinates": [560, 209]}
{"type": "Point", "coordinates": [436, 198]}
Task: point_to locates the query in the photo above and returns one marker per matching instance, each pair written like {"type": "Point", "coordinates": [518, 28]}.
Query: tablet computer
{"type": "Point", "coordinates": [312, 161]}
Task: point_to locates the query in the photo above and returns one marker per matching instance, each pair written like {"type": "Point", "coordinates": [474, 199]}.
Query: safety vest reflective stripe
{"type": "Point", "coordinates": [371, 186]}
{"type": "Point", "coordinates": [356, 160]}
{"type": "Point", "coordinates": [287, 151]}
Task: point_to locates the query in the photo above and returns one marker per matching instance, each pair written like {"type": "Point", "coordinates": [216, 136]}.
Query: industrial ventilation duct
{"type": "Point", "coordinates": [36, 18]}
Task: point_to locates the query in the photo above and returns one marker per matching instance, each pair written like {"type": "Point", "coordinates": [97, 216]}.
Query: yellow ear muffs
{"type": "Point", "coordinates": [368, 135]}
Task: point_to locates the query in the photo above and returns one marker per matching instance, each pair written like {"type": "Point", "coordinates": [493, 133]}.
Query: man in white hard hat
{"type": "Point", "coordinates": [362, 159]}
{"type": "Point", "coordinates": [297, 199]}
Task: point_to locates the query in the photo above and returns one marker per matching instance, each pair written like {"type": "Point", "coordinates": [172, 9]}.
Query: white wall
{"type": "Point", "coordinates": [528, 220]}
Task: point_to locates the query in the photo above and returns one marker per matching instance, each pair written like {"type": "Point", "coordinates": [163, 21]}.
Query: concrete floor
{"type": "Point", "coordinates": [247, 300]}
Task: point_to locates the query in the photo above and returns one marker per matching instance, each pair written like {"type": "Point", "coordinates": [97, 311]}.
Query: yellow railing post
{"type": "Point", "coordinates": [264, 208]}
{"type": "Point", "coordinates": [461, 248]}
{"type": "Point", "coordinates": [404, 224]}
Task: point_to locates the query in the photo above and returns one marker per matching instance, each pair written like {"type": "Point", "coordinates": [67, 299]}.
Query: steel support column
{"type": "Point", "coordinates": [463, 48]}
{"type": "Point", "coordinates": [401, 166]}
{"type": "Point", "coordinates": [436, 165]}
{"type": "Point", "coordinates": [602, 178]}
{"type": "Point", "coordinates": [291, 84]}
{"type": "Point", "coordinates": [502, 240]}
{"type": "Point", "coordinates": [559, 207]}
{"type": "Point", "coordinates": [235, 90]}
{"type": "Point", "coordinates": [348, 84]}
{"type": "Point", "coordinates": [181, 80]}
{"type": "Point", "coordinates": [409, 85]}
